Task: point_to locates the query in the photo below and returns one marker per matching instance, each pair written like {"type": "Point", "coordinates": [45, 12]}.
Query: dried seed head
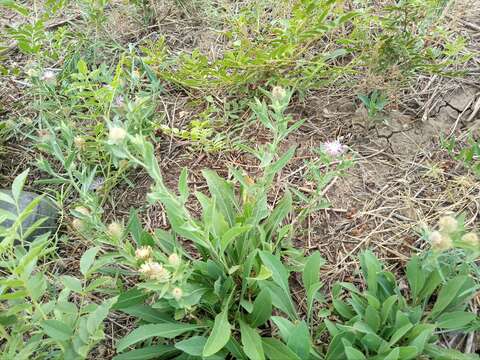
{"type": "Point", "coordinates": [117, 134]}
{"type": "Point", "coordinates": [119, 101]}
{"type": "Point", "coordinates": [82, 210]}
{"type": "Point", "coordinates": [177, 293]}
{"type": "Point", "coordinates": [78, 224]}
{"type": "Point", "coordinates": [174, 260]}
{"type": "Point", "coordinates": [278, 93]}
{"type": "Point", "coordinates": [43, 135]}
{"type": "Point", "coordinates": [470, 239]}
{"type": "Point", "coordinates": [448, 224]}
{"type": "Point", "coordinates": [143, 253]}
{"type": "Point", "coordinates": [439, 241]}
{"type": "Point", "coordinates": [79, 142]}
{"type": "Point", "coordinates": [155, 271]}
{"type": "Point", "coordinates": [115, 229]}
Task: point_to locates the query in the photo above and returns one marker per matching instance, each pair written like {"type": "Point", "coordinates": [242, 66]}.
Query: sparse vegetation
{"type": "Point", "coordinates": [240, 180]}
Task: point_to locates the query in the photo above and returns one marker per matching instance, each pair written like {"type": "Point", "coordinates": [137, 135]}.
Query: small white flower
{"type": "Point", "coordinates": [470, 239]}
{"type": "Point", "coordinates": [115, 229]}
{"type": "Point", "coordinates": [177, 293]}
{"type": "Point", "coordinates": [440, 241]}
{"type": "Point", "coordinates": [174, 260]}
{"type": "Point", "coordinates": [448, 224]}
{"type": "Point", "coordinates": [119, 101]}
{"type": "Point", "coordinates": [79, 142]}
{"type": "Point", "coordinates": [48, 76]}
{"type": "Point", "coordinates": [334, 148]}
{"type": "Point", "coordinates": [117, 134]}
{"type": "Point", "coordinates": [278, 93]}
{"type": "Point", "coordinates": [155, 271]}
{"type": "Point", "coordinates": [143, 253]}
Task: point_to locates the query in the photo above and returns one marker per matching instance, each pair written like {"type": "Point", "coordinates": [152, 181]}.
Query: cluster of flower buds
{"type": "Point", "coordinates": [153, 270]}
{"type": "Point", "coordinates": [448, 234]}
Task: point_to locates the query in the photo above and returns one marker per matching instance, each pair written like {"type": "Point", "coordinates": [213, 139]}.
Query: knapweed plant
{"type": "Point", "coordinates": [218, 299]}
{"type": "Point", "coordinates": [389, 321]}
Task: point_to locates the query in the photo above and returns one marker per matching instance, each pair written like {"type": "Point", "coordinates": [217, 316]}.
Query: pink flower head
{"type": "Point", "coordinates": [48, 76]}
{"type": "Point", "coordinates": [334, 148]}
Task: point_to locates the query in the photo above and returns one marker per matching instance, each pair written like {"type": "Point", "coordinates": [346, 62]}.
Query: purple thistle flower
{"type": "Point", "coordinates": [334, 148]}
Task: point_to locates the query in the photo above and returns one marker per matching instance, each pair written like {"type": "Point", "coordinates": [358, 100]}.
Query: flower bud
{"type": "Point", "coordinates": [448, 224]}
{"type": "Point", "coordinates": [115, 229]}
{"type": "Point", "coordinates": [470, 239]}
{"type": "Point", "coordinates": [79, 142]}
{"type": "Point", "coordinates": [177, 293]}
{"type": "Point", "coordinates": [440, 241]}
{"type": "Point", "coordinates": [117, 134]}
{"type": "Point", "coordinates": [155, 271]}
{"type": "Point", "coordinates": [143, 253]}
{"type": "Point", "coordinates": [174, 260]}
{"type": "Point", "coordinates": [77, 224]}
{"type": "Point", "coordinates": [278, 93]}
{"type": "Point", "coordinates": [82, 210]}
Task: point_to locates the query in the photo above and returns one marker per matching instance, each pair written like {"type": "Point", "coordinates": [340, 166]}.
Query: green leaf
{"type": "Point", "coordinates": [282, 209]}
{"type": "Point", "coordinates": [168, 331]}
{"type": "Point", "coordinates": [231, 234]}
{"type": "Point", "coordinates": [148, 314]}
{"type": "Point", "coordinates": [285, 326]}
{"type": "Point", "coordinates": [372, 318]}
{"type": "Point", "coordinates": [455, 320]}
{"type": "Point", "coordinates": [57, 330]}
{"type": "Point", "coordinates": [130, 298]}
{"type": "Point", "coordinates": [72, 283]}
{"type": "Point", "coordinates": [252, 342]}
{"type": "Point", "coordinates": [158, 352]}
{"type": "Point", "coordinates": [371, 268]}
{"type": "Point", "coordinates": [399, 333]}
{"type": "Point", "coordinates": [311, 271]}
{"type": "Point", "coordinates": [262, 309]}
{"type": "Point", "coordinates": [87, 259]}
{"type": "Point", "coordinates": [220, 334]}
{"type": "Point", "coordinates": [223, 193]}
{"type": "Point", "coordinates": [280, 163]}
{"type": "Point", "coordinates": [95, 318]}
{"type": "Point", "coordinates": [276, 350]}
{"type": "Point", "coordinates": [280, 299]}
{"type": "Point", "coordinates": [448, 294]}
{"type": "Point", "coordinates": [299, 340]}
{"type": "Point", "coordinates": [192, 346]}
{"type": "Point", "coordinates": [415, 276]}
{"type": "Point", "coordinates": [393, 355]}
{"type": "Point", "coordinates": [279, 272]}
{"type": "Point", "coordinates": [354, 354]}
{"type": "Point", "coordinates": [18, 184]}
{"type": "Point", "coordinates": [183, 184]}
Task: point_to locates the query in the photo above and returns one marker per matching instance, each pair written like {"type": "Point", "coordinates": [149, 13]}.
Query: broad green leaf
{"type": "Point", "coordinates": [223, 193]}
{"type": "Point", "coordinates": [279, 272]}
{"type": "Point", "coordinates": [415, 276]}
{"type": "Point", "coordinates": [252, 342]}
{"type": "Point", "coordinates": [264, 274]}
{"type": "Point", "coordinates": [343, 309]}
{"type": "Point", "coordinates": [437, 352]}
{"type": "Point", "coordinates": [148, 314]}
{"type": "Point", "coordinates": [371, 268]}
{"type": "Point", "coordinates": [231, 234]}
{"type": "Point", "coordinates": [220, 334]}
{"type": "Point", "coordinates": [285, 326]}
{"type": "Point", "coordinates": [192, 346]}
{"type": "Point", "coordinates": [354, 354]}
{"type": "Point", "coordinates": [157, 352]}
{"type": "Point", "coordinates": [311, 271]}
{"type": "Point", "coordinates": [95, 318]}
{"type": "Point", "coordinates": [393, 355]}
{"type": "Point", "coordinates": [57, 330]}
{"type": "Point", "coordinates": [262, 309]}
{"type": "Point", "coordinates": [280, 163]}
{"type": "Point", "coordinates": [372, 318]}
{"type": "Point", "coordinates": [407, 352]}
{"type": "Point", "coordinates": [276, 350]}
{"type": "Point", "coordinates": [280, 299]}
{"type": "Point", "coordinates": [72, 283]}
{"type": "Point", "coordinates": [448, 294]}
{"type": "Point", "coordinates": [420, 341]}
{"type": "Point", "coordinates": [130, 298]}
{"type": "Point", "coordinates": [387, 307]}
{"type": "Point", "coordinates": [278, 214]}
{"type": "Point", "coordinates": [299, 340]}
{"type": "Point", "coordinates": [18, 184]}
{"type": "Point", "coordinates": [399, 333]}
{"type": "Point", "coordinates": [167, 331]}
{"type": "Point", "coordinates": [455, 320]}
{"type": "Point", "coordinates": [87, 259]}
{"type": "Point", "coordinates": [183, 184]}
